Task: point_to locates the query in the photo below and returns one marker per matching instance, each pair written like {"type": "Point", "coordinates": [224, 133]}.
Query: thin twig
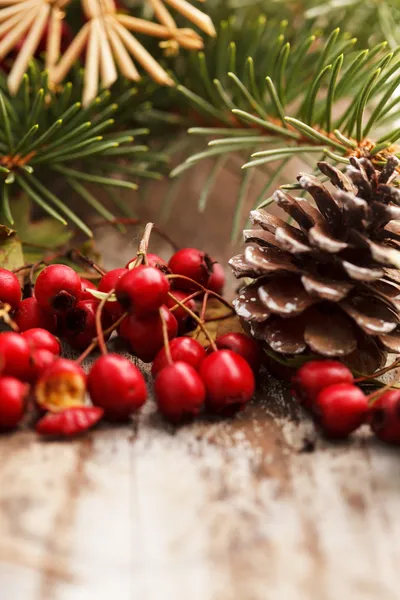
{"type": "Point", "coordinates": [132, 221]}
{"type": "Point", "coordinates": [95, 340]}
{"type": "Point", "coordinates": [166, 338]}
{"type": "Point", "coordinates": [205, 290]}
{"type": "Point", "coordinates": [197, 319]}
{"type": "Point", "coordinates": [78, 254]}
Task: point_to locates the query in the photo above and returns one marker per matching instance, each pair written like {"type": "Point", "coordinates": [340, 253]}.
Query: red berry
{"type": "Point", "coordinates": [40, 339]}
{"type": "Point", "coordinates": [340, 409]}
{"type": "Point", "coordinates": [191, 263]}
{"type": "Point", "coordinates": [315, 375]}
{"type": "Point", "coordinates": [30, 315]}
{"type": "Point", "coordinates": [10, 290]}
{"type": "Point", "coordinates": [14, 355]}
{"type": "Point", "coordinates": [40, 360]}
{"type": "Point", "coordinates": [179, 391]}
{"type": "Point", "coordinates": [69, 422]}
{"type": "Point", "coordinates": [145, 333]}
{"type": "Point", "coordinates": [384, 417]}
{"type": "Point", "coordinates": [142, 290]}
{"type": "Point", "coordinates": [87, 285]}
{"type": "Point", "coordinates": [229, 381]}
{"type": "Point", "coordinates": [78, 326]}
{"type": "Point", "coordinates": [180, 313]}
{"type": "Point", "coordinates": [13, 395]}
{"type": "Point", "coordinates": [62, 385]}
{"type": "Point", "coordinates": [58, 288]}
{"type": "Point", "coordinates": [183, 349]}
{"type": "Point", "coordinates": [116, 385]}
{"type": "Point", "coordinates": [217, 279]}
{"type": "Point", "coordinates": [107, 283]}
{"type": "Point", "coordinates": [153, 260]}
{"type": "Point", "coordinates": [243, 345]}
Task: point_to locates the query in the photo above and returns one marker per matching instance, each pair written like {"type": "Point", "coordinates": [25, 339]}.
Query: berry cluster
{"type": "Point", "coordinates": [151, 305]}
{"type": "Point", "coordinates": [327, 389]}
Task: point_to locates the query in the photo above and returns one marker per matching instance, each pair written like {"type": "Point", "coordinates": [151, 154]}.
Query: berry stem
{"type": "Point", "coordinates": [205, 290]}
{"type": "Point", "coordinates": [99, 328]}
{"type": "Point", "coordinates": [204, 307]}
{"type": "Point", "coordinates": [394, 364]}
{"type": "Point", "coordinates": [131, 221]}
{"type": "Point", "coordinates": [5, 310]}
{"type": "Point", "coordinates": [78, 254]}
{"type": "Point", "coordinates": [197, 319]}
{"type": "Point", "coordinates": [185, 300]}
{"type": "Point", "coordinates": [144, 245]}
{"type": "Point", "coordinates": [95, 341]}
{"type": "Point", "coordinates": [166, 338]}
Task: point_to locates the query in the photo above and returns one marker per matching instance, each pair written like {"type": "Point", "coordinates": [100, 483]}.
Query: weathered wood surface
{"type": "Point", "coordinates": [244, 509]}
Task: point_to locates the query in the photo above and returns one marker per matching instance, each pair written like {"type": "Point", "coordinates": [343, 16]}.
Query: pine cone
{"type": "Point", "coordinates": [331, 284]}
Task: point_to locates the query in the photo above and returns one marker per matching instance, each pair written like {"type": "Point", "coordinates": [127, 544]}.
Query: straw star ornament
{"type": "Point", "coordinates": [106, 37]}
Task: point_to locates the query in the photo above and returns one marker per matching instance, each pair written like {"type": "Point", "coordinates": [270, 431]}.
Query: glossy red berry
{"type": "Point", "coordinates": [10, 290]}
{"type": "Point", "coordinates": [41, 339]}
{"type": "Point", "coordinates": [153, 260]}
{"type": "Point", "coordinates": [87, 285]}
{"type": "Point", "coordinates": [315, 375]}
{"type": "Point", "coordinates": [58, 288]}
{"type": "Point", "coordinates": [180, 313]}
{"type": "Point", "coordinates": [191, 263]}
{"type": "Point", "coordinates": [40, 360]}
{"type": "Point", "coordinates": [229, 381]}
{"type": "Point", "coordinates": [384, 417]}
{"type": "Point", "coordinates": [183, 349]}
{"type": "Point", "coordinates": [78, 326]}
{"type": "Point", "coordinates": [145, 333]}
{"type": "Point", "coordinates": [179, 392]}
{"type": "Point", "coordinates": [13, 397]}
{"type": "Point", "coordinates": [247, 347]}
{"type": "Point", "coordinates": [69, 422]}
{"type": "Point", "coordinates": [216, 281]}
{"type": "Point", "coordinates": [142, 290]}
{"type": "Point", "coordinates": [62, 385]}
{"type": "Point", "coordinates": [14, 355]}
{"type": "Point", "coordinates": [340, 409]}
{"type": "Point", "coordinates": [107, 283]}
{"type": "Point", "coordinates": [116, 385]}
{"type": "Point", "coordinates": [30, 315]}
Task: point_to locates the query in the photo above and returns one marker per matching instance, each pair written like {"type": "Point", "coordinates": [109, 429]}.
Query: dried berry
{"type": "Point", "coordinates": [69, 422]}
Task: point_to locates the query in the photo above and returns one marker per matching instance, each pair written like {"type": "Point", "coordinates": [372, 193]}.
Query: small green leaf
{"type": "Point", "coordinates": [11, 255]}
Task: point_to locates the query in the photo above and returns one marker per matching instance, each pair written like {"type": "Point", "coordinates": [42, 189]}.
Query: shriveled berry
{"type": "Point", "coordinates": [229, 381]}
{"type": "Point", "coordinates": [191, 263]}
{"type": "Point", "coordinates": [107, 283]}
{"type": "Point", "coordinates": [40, 339]}
{"type": "Point", "coordinates": [153, 260]}
{"type": "Point", "coordinates": [62, 385]}
{"type": "Point", "coordinates": [384, 417]}
{"type": "Point", "coordinates": [180, 313]}
{"type": "Point", "coordinates": [315, 375]}
{"type": "Point", "coordinates": [183, 349]}
{"type": "Point", "coordinates": [10, 290]}
{"type": "Point", "coordinates": [116, 385]}
{"type": "Point", "coordinates": [87, 285]}
{"type": "Point", "coordinates": [13, 396]}
{"type": "Point", "coordinates": [30, 315]}
{"type": "Point", "coordinates": [240, 343]}
{"type": "Point", "coordinates": [40, 360]}
{"type": "Point", "coordinates": [142, 290]}
{"type": "Point", "coordinates": [340, 409]}
{"type": "Point", "coordinates": [69, 422]}
{"type": "Point", "coordinates": [179, 392]}
{"type": "Point", "coordinates": [216, 281]}
{"type": "Point", "coordinates": [78, 326]}
{"type": "Point", "coordinates": [145, 334]}
{"type": "Point", "coordinates": [58, 288]}
{"type": "Point", "coordinates": [14, 355]}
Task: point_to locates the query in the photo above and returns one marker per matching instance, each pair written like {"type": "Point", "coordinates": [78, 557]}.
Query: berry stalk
{"type": "Point", "coordinates": [196, 318]}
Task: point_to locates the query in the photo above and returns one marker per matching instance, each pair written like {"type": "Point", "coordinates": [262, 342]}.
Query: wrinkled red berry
{"type": "Point", "coordinates": [384, 417]}
{"type": "Point", "coordinates": [62, 385]}
{"type": "Point", "coordinates": [40, 360]}
{"type": "Point", "coordinates": [30, 315]}
{"type": "Point", "coordinates": [247, 347]}
{"type": "Point", "coordinates": [145, 333]}
{"type": "Point", "coordinates": [183, 349]}
{"type": "Point", "coordinates": [229, 381]}
{"type": "Point", "coordinates": [13, 396]}
{"type": "Point", "coordinates": [153, 260]}
{"type": "Point", "coordinates": [116, 385]}
{"type": "Point", "coordinates": [69, 422]}
{"type": "Point", "coordinates": [142, 290]}
{"type": "Point", "coordinates": [179, 392]}
{"type": "Point", "coordinates": [40, 339]}
{"type": "Point", "coordinates": [315, 375]}
{"type": "Point", "coordinates": [107, 283]}
{"type": "Point", "coordinates": [78, 326]}
{"type": "Point", "coordinates": [87, 285]}
{"type": "Point", "coordinates": [340, 409]}
{"type": "Point", "coordinates": [58, 288]}
{"type": "Point", "coordinates": [216, 281]}
{"type": "Point", "coordinates": [10, 290]}
{"type": "Point", "coordinates": [191, 263]}
{"type": "Point", "coordinates": [14, 355]}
